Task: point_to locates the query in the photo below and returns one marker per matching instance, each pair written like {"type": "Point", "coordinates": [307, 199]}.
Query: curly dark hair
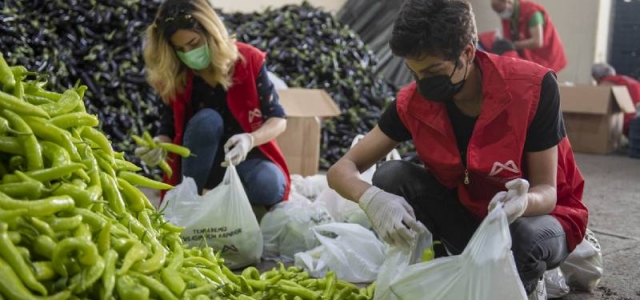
{"type": "Point", "coordinates": [433, 27]}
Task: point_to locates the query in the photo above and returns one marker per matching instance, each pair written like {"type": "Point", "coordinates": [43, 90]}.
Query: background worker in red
{"type": "Point", "coordinates": [605, 74]}
{"type": "Point", "coordinates": [479, 122]}
{"type": "Point", "coordinates": [219, 101]}
{"type": "Point", "coordinates": [529, 26]}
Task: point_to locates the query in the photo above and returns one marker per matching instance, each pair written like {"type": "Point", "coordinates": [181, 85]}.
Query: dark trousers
{"type": "Point", "coordinates": [538, 243]}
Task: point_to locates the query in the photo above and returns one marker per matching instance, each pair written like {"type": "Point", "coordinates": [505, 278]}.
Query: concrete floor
{"type": "Point", "coordinates": [612, 194]}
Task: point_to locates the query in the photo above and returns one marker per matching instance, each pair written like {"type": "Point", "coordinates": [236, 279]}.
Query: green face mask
{"type": "Point", "coordinates": [196, 59]}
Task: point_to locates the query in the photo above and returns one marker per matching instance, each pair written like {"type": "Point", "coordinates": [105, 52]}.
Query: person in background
{"type": "Point", "coordinates": [477, 121]}
{"type": "Point", "coordinates": [219, 102]}
{"type": "Point", "coordinates": [528, 25]}
{"type": "Point", "coordinates": [604, 74]}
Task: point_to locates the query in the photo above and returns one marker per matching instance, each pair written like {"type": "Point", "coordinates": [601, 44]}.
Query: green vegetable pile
{"type": "Point", "coordinates": [73, 225]}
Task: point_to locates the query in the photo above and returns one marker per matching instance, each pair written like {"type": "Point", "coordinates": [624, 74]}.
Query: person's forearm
{"type": "Point", "coordinates": [344, 178]}
{"type": "Point", "coordinates": [531, 43]}
{"type": "Point", "coordinates": [541, 200]}
{"type": "Point", "coordinates": [272, 128]}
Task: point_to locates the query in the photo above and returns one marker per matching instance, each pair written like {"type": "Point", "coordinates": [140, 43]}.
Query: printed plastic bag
{"type": "Point", "coordinates": [222, 217]}
{"type": "Point", "coordinates": [583, 268]}
{"type": "Point", "coordinates": [287, 227]}
{"type": "Point", "coordinates": [484, 271]}
{"type": "Point", "coordinates": [556, 284]}
{"type": "Point", "coordinates": [350, 250]}
{"type": "Point", "coordinates": [397, 260]}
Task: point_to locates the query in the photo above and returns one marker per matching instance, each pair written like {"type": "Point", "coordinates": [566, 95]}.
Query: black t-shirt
{"type": "Point", "coordinates": [545, 131]}
{"type": "Point", "coordinates": [205, 96]}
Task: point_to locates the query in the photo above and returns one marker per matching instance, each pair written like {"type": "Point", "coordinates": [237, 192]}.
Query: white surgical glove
{"type": "Point", "coordinates": [237, 148]}
{"type": "Point", "coordinates": [391, 216]}
{"type": "Point", "coordinates": [515, 200]}
{"type": "Point", "coordinates": [151, 156]}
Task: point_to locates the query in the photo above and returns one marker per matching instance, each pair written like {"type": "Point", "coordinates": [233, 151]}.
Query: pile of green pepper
{"type": "Point", "coordinates": [74, 225]}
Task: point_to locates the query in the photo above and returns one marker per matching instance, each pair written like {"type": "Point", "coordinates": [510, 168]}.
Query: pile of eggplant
{"type": "Point", "coordinates": [99, 42]}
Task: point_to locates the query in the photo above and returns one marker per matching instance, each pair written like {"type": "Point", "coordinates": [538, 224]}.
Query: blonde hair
{"type": "Point", "coordinates": [165, 72]}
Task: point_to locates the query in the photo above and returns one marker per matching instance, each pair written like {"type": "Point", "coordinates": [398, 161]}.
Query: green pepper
{"type": "Point", "coordinates": [12, 287]}
{"type": "Point", "coordinates": [15, 237]}
{"type": "Point", "coordinates": [81, 197]}
{"type": "Point", "coordinates": [44, 245]}
{"type": "Point", "coordinates": [166, 168]}
{"type": "Point", "coordinates": [111, 193]}
{"type": "Point", "coordinates": [63, 224]}
{"type": "Point", "coordinates": [18, 89]}
{"type": "Point", "coordinates": [137, 253]}
{"type": "Point", "coordinates": [128, 288]}
{"type": "Point", "coordinates": [298, 291]}
{"type": "Point", "coordinates": [132, 195]}
{"type": "Point", "coordinates": [104, 238]}
{"type": "Point", "coordinates": [37, 208]}
{"type": "Point", "coordinates": [173, 281]}
{"type": "Point", "coordinates": [155, 262]}
{"type": "Point", "coordinates": [97, 137]}
{"type": "Point", "coordinates": [46, 175]}
{"type": "Point", "coordinates": [43, 270]}
{"type": "Point", "coordinates": [77, 119]}
{"type": "Point", "coordinates": [109, 275]}
{"type": "Point", "coordinates": [47, 131]}
{"type": "Point", "coordinates": [139, 180]}
{"type": "Point", "coordinates": [87, 277]}
{"type": "Point", "coordinates": [123, 165]}
{"type": "Point", "coordinates": [36, 100]}
{"type": "Point", "coordinates": [82, 231]}
{"type": "Point", "coordinates": [177, 149]}
{"type": "Point", "coordinates": [29, 143]}
{"type": "Point", "coordinates": [15, 260]}
{"type": "Point", "coordinates": [55, 154]}
{"type": "Point", "coordinates": [33, 89]}
{"type": "Point", "coordinates": [25, 189]}
{"type": "Point", "coordinates": [69, 100]}
{"type": "Point", "coordinates": [5, 129]}
{"type": "Point", "coordinates": [7, 79]}
{"type": "Point", "coordinates": [94, 220]}
{"type": "Point", "coordinates": [154, 286]}
{"type": "Point", "coordinates": [134, 225]}
{"type": "Point", "coordinates": [330, 288]}
{"type": "Point", "coordinates": [105, 166]}
{"type": "Point", "coordinates": [43, 227]}
{"type": "Point", "coordinates": [11, 145]}
{"type": "Point", "coordinates": [88, 253]}
{"type": "Point", "coordinates": [10, 102]}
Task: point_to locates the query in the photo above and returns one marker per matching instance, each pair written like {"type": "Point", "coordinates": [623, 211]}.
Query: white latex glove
{"type": "Point", "coordinates": [514, 201]}
{"type": "Point", "coordinates": [151, 157]}
{"type": "Point", "coordinates": [237, 148]}
{"type": "Point", "coordinates": [390, 216]}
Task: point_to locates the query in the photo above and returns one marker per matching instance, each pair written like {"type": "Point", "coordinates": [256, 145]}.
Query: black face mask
{"type": "Point", "coordinates": [440, 88]}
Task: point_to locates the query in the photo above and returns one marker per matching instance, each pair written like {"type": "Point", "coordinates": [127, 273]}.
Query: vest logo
{"type": "Point", "coordinates": [232, 248]}
{"type": "Point", "coordinates": [498, 167]}
{"type": "Point", "coordinates": [253, 114]}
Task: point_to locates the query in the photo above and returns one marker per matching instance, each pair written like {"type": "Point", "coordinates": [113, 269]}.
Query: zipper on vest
{"type": "Point", "coordinates": [466, 176]}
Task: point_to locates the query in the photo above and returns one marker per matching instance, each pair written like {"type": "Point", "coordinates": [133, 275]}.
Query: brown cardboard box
{"type": "Point", "coordinates": [593, 116]}
{"type": "Point", "coordinates": [300, 143]}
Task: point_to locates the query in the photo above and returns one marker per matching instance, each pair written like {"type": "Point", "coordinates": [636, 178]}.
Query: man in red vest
{"type": "Point", "coordinates": [481, 124]}
{"type": "Point", "coordinates": [529, 26]}
{"type": "Point", "coordinates": [605, 74]}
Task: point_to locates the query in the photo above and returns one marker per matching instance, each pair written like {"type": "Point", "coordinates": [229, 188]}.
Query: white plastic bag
{"type": "Point", "coordinates": [310, 186]}
{"type": "Point", "coordinates": [555, 284]}
{"type": "Point", "coordinates": [180, 202]}
{"type": "Point", "coordinates": [397, 260]}
{"type": "Point", "coordinates": [343, 210]}
{"type": "Point", "coordinates": [484, 271]}
{"type": "Point", "coordinates": [583, 268]}
{"type": "Point", "coordinates": [350, 250]}
{"type": "Point", "coordinates": [287, 227]}
{"type": "Point", "coordinates": [223, 217]}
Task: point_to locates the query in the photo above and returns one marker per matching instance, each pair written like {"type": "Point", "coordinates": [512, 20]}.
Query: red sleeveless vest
{"type": "Point", "coordinates": [634, 90]}
{"type": "Point", "coordinates": [243, 102]}
{"type": "Point", "coordinates": [495, 155]}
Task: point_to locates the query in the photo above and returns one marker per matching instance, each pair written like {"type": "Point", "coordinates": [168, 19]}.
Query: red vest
{"type": "Point", "coordinates": [487, 39]}
{"type": "Point", "coordinates": [634, 90]}
{"type": "Point", "coordinates": [244, 104]}
{"type": "Point", "coordinates": [495, 155]}
{"type": "Point", "coordinates": [551, 55]}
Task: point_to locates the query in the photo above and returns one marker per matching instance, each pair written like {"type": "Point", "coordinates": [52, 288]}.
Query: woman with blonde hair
{"type": "Point", "coordinates": [218, 100]}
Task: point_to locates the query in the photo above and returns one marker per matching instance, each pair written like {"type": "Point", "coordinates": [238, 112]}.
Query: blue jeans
{"type": "Point", "coordinates": [263, 181]}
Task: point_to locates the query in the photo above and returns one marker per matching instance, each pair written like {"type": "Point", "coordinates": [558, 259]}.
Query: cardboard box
{"type": "Point", "coordinates": [593, 116]}
{"type": "Point", "coordinates": [300, 143]}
